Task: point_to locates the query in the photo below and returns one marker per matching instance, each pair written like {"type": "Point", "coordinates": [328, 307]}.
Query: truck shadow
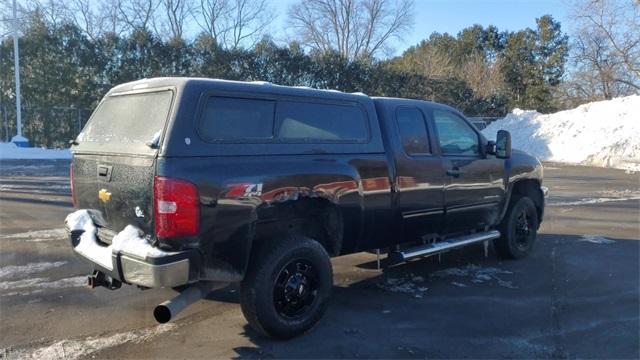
{"type": "Point", "coordinates": [468, 305]}
{"type": "Point", "coordinates": [419, 267]}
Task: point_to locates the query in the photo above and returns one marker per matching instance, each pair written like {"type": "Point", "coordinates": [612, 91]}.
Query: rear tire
{"type": "Point", "coordinates": [518, 229]}
{"type": "Point", "coordinates": [287, 285]}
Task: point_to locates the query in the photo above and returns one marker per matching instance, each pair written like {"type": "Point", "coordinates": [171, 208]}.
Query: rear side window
{"type": "Point", "coordinates": [237, 119]}
{"type": "Point", "coordinates": [413, 131]}
{"type": "Point", "coordinates": [318, 123]}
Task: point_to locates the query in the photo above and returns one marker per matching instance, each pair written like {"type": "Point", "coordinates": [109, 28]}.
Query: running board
{"type": "Point", "coordinates": [438, 247]}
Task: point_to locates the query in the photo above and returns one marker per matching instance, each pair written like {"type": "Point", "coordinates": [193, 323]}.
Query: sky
{"type": "Point", "coordinates": [454, 15]}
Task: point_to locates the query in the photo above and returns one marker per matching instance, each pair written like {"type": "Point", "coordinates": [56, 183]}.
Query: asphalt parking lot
{"type": "Point", "coordinates": [576, 296]}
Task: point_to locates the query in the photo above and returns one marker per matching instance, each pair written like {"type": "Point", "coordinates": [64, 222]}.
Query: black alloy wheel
{"type": "Point", "coordinates": [295, 289]}
{"type": "Point", "coordinates": [287, 286]}
{"type": "Point", "coordinates": [518, 229]}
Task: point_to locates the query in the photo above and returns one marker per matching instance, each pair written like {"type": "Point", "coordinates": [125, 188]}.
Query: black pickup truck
{"type": "Point", "coordinates": [190, 183]}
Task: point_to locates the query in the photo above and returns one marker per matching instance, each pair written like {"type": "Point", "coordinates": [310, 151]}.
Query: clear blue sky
{"type": "Point", "coordinates": [454, 15]}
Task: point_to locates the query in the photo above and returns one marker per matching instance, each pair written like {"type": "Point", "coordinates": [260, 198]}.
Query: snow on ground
{"type": "Point", "coordinates": [38, 235]}
{"type": "Point", "coordinates": [476, 274]}
{"type": "Point", "coordinates": [11, 151]}
{"type": "Point", "coordinates": [596, 239]}
{"type": "Point", "coordinates": [603, 196]}
{"type": "Point", "coordinates": [85, 348]}
{"type": "Point", "coordinates": [406, 284]}
{"type": "Point", "coordinates": [37, 285]}
{"type": "Point", "coordinates": [28, 269]}
{"type": "Point", "coordinates": [603, 133]}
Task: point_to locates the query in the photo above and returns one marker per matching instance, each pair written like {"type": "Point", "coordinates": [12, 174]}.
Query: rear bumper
{"type": "Point", "coordinates": [168, 269]}
{"type": "Point", "coordinates": [145, 273]}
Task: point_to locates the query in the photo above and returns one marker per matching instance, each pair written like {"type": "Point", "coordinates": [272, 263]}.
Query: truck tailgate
{"type": "Point", "coordinates": [119, 187]}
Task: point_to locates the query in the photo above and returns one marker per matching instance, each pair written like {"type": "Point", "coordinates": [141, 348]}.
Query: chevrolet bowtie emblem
{"type": "Point", "coordinates": [104, 195]}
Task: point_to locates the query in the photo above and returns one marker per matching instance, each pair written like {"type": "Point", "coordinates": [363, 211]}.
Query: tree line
{"type": "Point", "coordinates": [73, 52]}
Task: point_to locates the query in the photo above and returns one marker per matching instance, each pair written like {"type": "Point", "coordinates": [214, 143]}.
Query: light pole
{"type": "Point", "coordinates": [19, 140]}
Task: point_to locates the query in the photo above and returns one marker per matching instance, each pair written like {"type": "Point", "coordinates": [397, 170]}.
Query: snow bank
{"type": "Point", "coordinates": [11, 151]}
{"type": "Point", "coordinates": [603, 133]}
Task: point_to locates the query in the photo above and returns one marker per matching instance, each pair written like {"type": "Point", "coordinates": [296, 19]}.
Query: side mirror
{"type": "Point", "coordinates": [503, 144]}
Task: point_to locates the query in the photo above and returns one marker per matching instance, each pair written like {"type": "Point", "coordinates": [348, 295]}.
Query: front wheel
{"type": "Point", "coordinates": [286, 288]}
{"type": "Point", "coordinates": [518, 229]}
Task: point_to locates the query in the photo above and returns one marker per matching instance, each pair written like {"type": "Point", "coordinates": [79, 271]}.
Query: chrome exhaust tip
{"type": "Point", "coordinates": [162, 313]}
{"type": "Point", "coordinates": [169, 309]}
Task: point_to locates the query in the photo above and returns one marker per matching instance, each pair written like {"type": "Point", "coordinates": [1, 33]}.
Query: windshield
{"type": "Point", "coordinates": [133, 119]}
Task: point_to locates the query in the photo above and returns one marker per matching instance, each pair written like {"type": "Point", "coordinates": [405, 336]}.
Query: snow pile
{"type": "Point", "coordinates": [603, 133]}
{"type": "Point", "coordinates": [11, 151]}
{"type": "Point", "coordinates": [127, 241]}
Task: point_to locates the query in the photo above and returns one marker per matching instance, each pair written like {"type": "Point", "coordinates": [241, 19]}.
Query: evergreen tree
{"type": "Point", "coordinates": [481, 71]}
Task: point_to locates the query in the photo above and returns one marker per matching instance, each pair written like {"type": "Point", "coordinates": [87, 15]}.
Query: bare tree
{"type": "Point", "coordinates": [86, 18]}
{"type": "Point", "coordinates": [484, 78]}
{"type": "Point", "coordinates": [428, 61]}
{"type": "Point", "coordinates": [211, 16]}
{"type": "Point", "coordinates": [96, 17]}
{"type": "Point", "coordinates": [606, 49]}
{"type": "Point", "coordinates": [175, 14]}
{"type": "Point", "coordinates": [233, 23]}
{"type": "Point", "coordinates": [353, 28]}
{"type": "Point", "coordinates": [6, 17]}
{"type": "Point", "coordinates": [111, 17]}
{"type": "Point", "coordinates": [249, 18]}
{"type": "Point", "coordinates": [54, 12]}
{"type": "Point", "coordinates": [138, 14]}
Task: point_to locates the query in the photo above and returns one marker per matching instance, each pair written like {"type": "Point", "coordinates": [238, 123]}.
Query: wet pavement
{"type": "Point", "coordinates": [576, 296]}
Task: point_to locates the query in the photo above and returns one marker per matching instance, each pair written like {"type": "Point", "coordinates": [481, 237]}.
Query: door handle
{"type": "Point", "coordinates": [455, 172]}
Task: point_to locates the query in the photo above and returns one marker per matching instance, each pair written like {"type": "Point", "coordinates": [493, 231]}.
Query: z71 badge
{"type": "Point", "coordinates": [243, 190]}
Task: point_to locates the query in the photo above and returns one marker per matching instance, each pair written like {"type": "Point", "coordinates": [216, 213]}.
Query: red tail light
{"type": "Point", "coordinates": [73, 191]}
{"type": "Point", "coordinates": [176, 207]}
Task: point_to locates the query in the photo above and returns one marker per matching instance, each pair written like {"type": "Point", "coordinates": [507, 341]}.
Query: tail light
{"type": "Point", "coordinates": [73, 191]}
{"type": "Point", "coordinates": [176, 207]}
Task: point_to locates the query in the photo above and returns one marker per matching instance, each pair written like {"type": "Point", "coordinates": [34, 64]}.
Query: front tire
{"type": "Point", "coordinates": [518, 229]}
{"type": "Point", "coordinates": [287, 285]}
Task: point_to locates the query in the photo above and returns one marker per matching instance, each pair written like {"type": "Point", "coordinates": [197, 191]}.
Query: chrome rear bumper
{"type": "Point", "coordinates": [132, 259]}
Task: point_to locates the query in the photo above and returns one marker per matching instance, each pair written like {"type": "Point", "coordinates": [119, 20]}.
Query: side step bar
{"type": "Point", "coordinates": [438, 247]}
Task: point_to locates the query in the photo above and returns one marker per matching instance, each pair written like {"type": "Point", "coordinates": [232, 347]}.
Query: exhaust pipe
{"type": "Point", "coordinates": [169, 309]}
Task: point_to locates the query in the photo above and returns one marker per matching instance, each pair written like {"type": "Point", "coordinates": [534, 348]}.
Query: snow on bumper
{"type": "Point", "coordinates": [129, 258]}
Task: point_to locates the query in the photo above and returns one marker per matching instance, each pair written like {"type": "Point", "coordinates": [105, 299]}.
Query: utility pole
{"type": "Point", "coordinates": [19, 140]}
{"type": "Point", "coordinates": [3, 112]}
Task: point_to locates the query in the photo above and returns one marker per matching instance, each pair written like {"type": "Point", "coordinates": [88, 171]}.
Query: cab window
{"type": "Point", "coordinates": [320, 123]}
{"type": "Point", "coordinates": [456, 137]}
{"type": "Point", "coordinates": [413, 131]}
